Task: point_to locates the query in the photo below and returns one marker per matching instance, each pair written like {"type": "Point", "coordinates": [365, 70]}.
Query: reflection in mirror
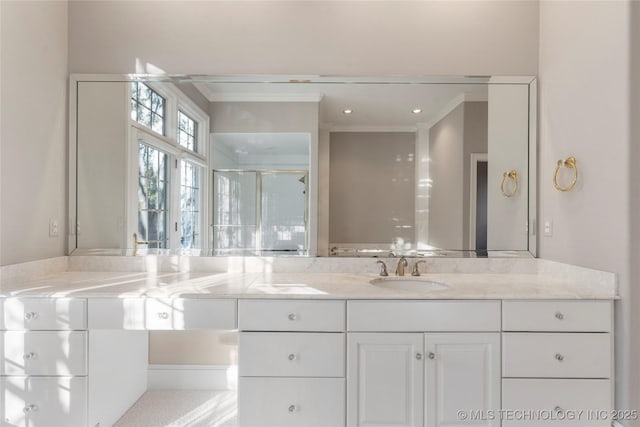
{"type": "Point", "coordinates": [270, 166]}
{"type": "Point", "coordinates": [260, 193]}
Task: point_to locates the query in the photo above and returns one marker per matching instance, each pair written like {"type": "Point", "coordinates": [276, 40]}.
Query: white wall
{"type": "Point", "coordinates": [317, 37]}
{"type": "Point", "coordinates": [584, 112]}
{"type": "Point", "coordinates": [33, 137]}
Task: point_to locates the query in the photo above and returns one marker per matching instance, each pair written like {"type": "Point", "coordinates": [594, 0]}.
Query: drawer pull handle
{"type": "Point", "coordinates": [559, 357]}
{"type": "Point", "coordinates": [292, 316]}
{"type": "Point", "coordinates": [419, 356]}
{"type": "Point", "coordinates": [292, 357]}
{"type": "Point", "coordinates": [31, 315]}
{"type": "Point", "coordinates": [164, 315]}
{"type": "Point", "coordinates": [292, 409]}
{"type": "Point", "coordinates": [28, 356]}
{"type": "Point", "coordinates": [30, 408]}
{"type": "Point", "coordinates": [432, 355]}
{"type": "Point", "coordinates": [559, 315]}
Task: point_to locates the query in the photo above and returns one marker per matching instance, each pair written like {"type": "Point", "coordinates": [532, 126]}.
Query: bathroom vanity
{"type": "Point", "coordinates": [318, 349]}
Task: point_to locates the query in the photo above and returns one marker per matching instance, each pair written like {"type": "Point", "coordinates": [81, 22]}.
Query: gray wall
{"type": "Point", "coordinates": [33, 147]}
{"type": "Point", "coordinates": [585, 97]}
{"type": "Point", "coordinates": [371, 187]}
{"type": "Point", "coordinates": [446, 148]}
{"type": "Point", "coordinates": [475, 141]}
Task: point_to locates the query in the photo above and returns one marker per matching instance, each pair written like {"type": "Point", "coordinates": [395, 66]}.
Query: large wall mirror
{"type": "Point", "coordinates": [302, 165]}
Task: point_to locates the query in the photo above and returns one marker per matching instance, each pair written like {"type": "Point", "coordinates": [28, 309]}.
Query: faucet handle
{"type": "Point", "coordinates": [383, 268]}
{"type": "Point", "coordinates": [415, 271]}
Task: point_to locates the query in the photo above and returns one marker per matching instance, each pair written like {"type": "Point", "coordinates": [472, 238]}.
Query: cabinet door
{"type": "Point", "coordinates": [462, 379]}
{"type": "Point", "coordinates": [385, 374]}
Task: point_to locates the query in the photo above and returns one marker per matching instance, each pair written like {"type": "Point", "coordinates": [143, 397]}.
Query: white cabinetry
{"type": "Point", "coordinates": [557, 363]}
{"type": "Point", "coordinates": [43, 367]}
{"type": "Point", "coordinates": [291, 363]}
{"type": "Point", "coordinates": [415, 379]}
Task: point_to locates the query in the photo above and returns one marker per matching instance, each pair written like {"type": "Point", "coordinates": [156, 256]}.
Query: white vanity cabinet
{"type": "Point", "coordinates": [417, 379]}
{"type": "Point", "coordinates": [43, 362]}
{"type": "Point", "coordinates": [557, 363]}
{"type": "Point", "coordinates": [291, 363]}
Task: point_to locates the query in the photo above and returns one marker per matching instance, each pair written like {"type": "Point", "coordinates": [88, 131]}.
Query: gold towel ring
{"type": "Point", "coordinates": [569, 163]}
{"type": "Point", "coordinates": [513, 175]}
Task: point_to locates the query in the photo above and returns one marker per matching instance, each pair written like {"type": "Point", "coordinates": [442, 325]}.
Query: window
{"type": "Point", "coordinates": [187, 131]}
{"type": "Point", "coordinates": [190, 196]}
{"type": "Point", "coordinates": [153, 209]}
{"type": "Point", "coordinates": [148, 107]}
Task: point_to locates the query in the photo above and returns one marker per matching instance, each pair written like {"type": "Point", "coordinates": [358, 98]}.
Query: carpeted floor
{"type": "Point", "coordinates": [182, 408]}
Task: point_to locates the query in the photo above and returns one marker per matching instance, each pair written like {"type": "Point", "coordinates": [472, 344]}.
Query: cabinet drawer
{"type": "Point", "coordinates": [420, 316]}
{"type": "Point", "coordinates": [556, 355]}
{"type": "Point", "coordinates": [557, 316]}
{"type": "Point", "coordinates": [43, 353]}
{"type": "Point", "coordinates": [564, 399]}
{"type": "Point", "coordinates": [43, 401]}
{"type": "Point", "coordinates": [291, 315]}
{"type": "Point", "coordinates": [162, 314]}
{"type": "Point", "coordinates": [294, 402]}
{"type": "Point", "coordinates": [43, 313]}
{"type": "Point", "coordinates": [291, 354]}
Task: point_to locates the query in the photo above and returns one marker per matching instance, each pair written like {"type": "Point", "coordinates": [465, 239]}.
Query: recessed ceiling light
{"type": "Point", "coordinates": [347, 111]}
{"type": "Point", "coordinates": [416, 110]}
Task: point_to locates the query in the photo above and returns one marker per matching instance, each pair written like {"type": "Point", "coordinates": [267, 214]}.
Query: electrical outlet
{"type": "Point", "coordinates": [53, 227]}
{"type": "Point", "coordinates": [548, 228]}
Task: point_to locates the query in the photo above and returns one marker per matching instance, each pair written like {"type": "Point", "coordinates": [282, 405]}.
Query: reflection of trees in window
{"type": "Point", "coordinates": [147, 107]}
{"type": "Point", "coordinates": [189, 205]}
{"type": "Point", "coordinates": [152, 196]}
{"type": "Point", "coordinates": [187, 129]}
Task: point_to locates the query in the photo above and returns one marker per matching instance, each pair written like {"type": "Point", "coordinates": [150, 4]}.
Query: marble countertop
{"type": "Point", "coordinates": [303, 285]}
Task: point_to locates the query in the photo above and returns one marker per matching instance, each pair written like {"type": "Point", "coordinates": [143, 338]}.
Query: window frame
{"type": "Point", "coordinates": [175, 100]}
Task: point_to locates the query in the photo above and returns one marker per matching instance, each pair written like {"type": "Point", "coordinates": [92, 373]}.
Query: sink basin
{"type": "Point", "coordinates": [407, 283]}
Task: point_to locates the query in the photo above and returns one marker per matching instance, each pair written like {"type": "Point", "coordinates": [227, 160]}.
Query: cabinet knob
{"type": "Point", "coordinates": [30, 315]}
{"type": "Point", "coordinates": [30, 408]}
{"type": "Point", "coordinates": [163, 315]}
{"type": "Point", "coordinates": [559, 315]}
{"type": "Point", "coordinates": [559, 357]}
{"type": "Point", "coordinates": [432, 355]}
{"type": "Point", "coordinates": [419, 356]}
{"type": "Point", "coordinates": [28, 356]}
{"type": "Point", "coordinates": [292, 408]}
{"type": "Point", "coordinates": [292, 316]}
{"type": "Point", "coordinates": [292, 357]}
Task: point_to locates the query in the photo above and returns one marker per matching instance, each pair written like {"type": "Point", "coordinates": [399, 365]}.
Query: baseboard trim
{"type": "Point", "coordinates": [192, 377]}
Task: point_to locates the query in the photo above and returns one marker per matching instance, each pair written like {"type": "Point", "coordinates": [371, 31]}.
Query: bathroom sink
{"type": "Point", "coordinates": [407, 283]}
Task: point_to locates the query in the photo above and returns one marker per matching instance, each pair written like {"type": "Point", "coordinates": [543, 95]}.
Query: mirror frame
{"type": "Point", "coordinates": [530, 81]}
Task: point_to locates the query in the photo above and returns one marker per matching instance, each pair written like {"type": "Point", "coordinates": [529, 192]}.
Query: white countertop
{"type": "Point", "coordinates": [301, 285]}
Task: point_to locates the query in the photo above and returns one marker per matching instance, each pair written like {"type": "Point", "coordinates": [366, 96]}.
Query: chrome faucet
{"type": "Point", "coordinates": [402, 263]}
{"type": "Point", "coordinates": [416, 270]}
{"type": "Point", "coordinates": [383, 268]}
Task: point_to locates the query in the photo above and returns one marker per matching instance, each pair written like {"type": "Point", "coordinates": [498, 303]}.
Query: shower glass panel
{"type": "Point", "coordinates": [234, 212]}
{"type": "Point", "coordinates": [283, 219]}
{"type": "Point", "coordinates": [259, 212]}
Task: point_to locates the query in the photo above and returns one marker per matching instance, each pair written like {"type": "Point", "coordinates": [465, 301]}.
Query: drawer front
{"type": "Point", "coordinates": [43, 314]}
{"type": "Point", "coordinates": [569, 402]}
{"type": "Point", "coordinates": [420, 316]}
{"type": "Point", "coordinates": [557, 316]}
{"type": "Point", "coordinates": [291, 402]}
{"type": "Point", "coordinates": [291, 315]}
{"type": "Point", "coordinates": [291, 354]}
{"type": "Point", "coordinates": [559, 355]}
{"type": "Point", "coordinates": [162, 314]}
{"type": "Point", "coordinates": [44, 401]}
{"type": "Point", "coordinates": [44, 353]}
